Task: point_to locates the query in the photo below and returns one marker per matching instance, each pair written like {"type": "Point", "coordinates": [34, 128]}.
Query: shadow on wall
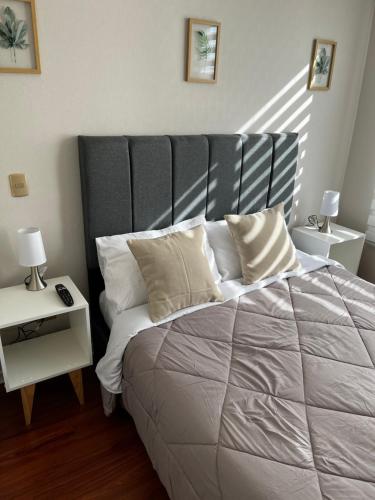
{"type": "Point", "coordinates": [9, 256]}
{"type": "Point", "coordinates": [288, 109]}
{"type": "Point", "coordinates": [71, 252]}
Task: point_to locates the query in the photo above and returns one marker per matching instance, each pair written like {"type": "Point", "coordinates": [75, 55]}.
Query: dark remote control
{"type": "Point", "coordinates": [64, 294]}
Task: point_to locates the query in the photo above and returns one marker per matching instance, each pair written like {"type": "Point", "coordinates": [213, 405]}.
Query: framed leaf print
{"type": "Point", "coordinates": [321, 67]}
{"type": "Point", "coordinates": [203, 50]}
{"type": "Point", "coordinates": [19, 50]}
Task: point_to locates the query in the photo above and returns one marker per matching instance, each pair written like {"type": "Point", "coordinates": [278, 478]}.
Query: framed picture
{"type": "Point", "coordinates": [203, 49]}
{"type": "Point", "coordinates": [19, 50]}
{"type": "Point", "coordinates": [321, 67]}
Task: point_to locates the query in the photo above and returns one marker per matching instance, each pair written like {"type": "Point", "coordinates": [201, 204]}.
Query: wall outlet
{"type": "Point", "coordinates": [18, 185]}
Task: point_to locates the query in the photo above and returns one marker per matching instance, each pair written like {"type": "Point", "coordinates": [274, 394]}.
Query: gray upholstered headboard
{"type": "Point", "coordinates": [133, 183]}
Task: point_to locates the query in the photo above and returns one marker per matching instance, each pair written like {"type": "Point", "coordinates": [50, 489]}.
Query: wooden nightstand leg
{"type": "Point", "coordinates": [76, 379]}
{"type": "Point", "coordinates": [27, 394]}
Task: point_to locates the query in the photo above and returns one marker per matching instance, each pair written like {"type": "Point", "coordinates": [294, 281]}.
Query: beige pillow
{"type": "Point", "coordinates": [263, 243]}
{"type": "Point", "coordinates": [176, 272]}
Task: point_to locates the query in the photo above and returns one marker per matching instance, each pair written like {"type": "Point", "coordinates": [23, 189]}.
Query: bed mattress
{"type": "Point", "coordinates": [267, 396]}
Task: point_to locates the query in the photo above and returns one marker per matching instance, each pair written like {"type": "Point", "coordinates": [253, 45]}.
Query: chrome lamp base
{"type": "Point", "coordinates": [35, 282]}
{"type": "Point", "coordinates": [326, 227]}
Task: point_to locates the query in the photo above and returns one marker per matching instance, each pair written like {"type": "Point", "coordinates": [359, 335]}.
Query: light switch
{"type": "Point", "coordinates": [18, 185]}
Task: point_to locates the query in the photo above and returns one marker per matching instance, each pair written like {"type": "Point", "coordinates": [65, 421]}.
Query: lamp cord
{"type": "Point", "coordinates": [41, 271]}
{"type": "Point", "coordinates": [314, 221]}
{"type": "Point", "coordinates": [24, 332]}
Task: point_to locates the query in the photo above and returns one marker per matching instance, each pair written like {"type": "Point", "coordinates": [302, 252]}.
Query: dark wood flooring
{"type": "Point", "coordinates": [70, 451]}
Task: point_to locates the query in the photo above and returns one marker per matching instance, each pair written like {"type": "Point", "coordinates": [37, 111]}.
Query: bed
{"type": "Point", "coordinates": [270, 394]}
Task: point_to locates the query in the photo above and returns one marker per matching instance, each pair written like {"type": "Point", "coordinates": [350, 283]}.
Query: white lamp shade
{"type": "Point", "coordinates": [30, 247]}
{"type": "Point", "coordinates": [330, 204]}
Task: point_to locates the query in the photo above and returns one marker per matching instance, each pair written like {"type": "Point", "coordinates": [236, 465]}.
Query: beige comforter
{"type": "Point", "coordinates": [268, 396]}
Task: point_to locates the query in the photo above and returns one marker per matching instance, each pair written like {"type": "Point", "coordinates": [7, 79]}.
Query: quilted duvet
{"type": "Point", "coordinates": [268, 396]}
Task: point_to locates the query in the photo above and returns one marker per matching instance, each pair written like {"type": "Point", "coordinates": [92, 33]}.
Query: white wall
{"type": "Point", "coordinates": [117, 67]}
{"type": "Point", "coordinates": [359, 184]}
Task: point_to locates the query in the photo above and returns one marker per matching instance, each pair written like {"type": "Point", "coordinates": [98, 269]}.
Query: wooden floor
{"type": "Point", "coordinates": [71, 451]}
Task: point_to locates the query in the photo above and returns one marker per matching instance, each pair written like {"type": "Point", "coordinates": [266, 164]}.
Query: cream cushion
{"type": "Point", "coordinates": [176, 272]}
{"type": "Point", "coordinates": [263, 243]}
{"type": "Point", "coordinates": [124, 285]}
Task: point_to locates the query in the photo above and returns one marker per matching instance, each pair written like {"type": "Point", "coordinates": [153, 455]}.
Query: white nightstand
{"type": "Point", "coordinates": [344, 245]}
{"type": "Point", "coordinates": [30, 361]}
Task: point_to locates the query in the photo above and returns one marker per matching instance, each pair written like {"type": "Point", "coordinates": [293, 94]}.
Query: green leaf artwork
{"type": "Point", "coordinates": [13, 33]}
{"type": "Point", "coordinates": [203, 45]}
{"type": "Point", "coordinates": [322, 62]}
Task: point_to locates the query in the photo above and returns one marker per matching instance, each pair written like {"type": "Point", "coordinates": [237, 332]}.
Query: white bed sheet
{"type": "Point", "coordinates": [128, 323]}
{"type": "Point", "coordinates": [108, 311]}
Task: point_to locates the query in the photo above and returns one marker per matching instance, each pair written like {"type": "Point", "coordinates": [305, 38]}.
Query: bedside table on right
{"type": "Point", "coordinates": [343, 244]}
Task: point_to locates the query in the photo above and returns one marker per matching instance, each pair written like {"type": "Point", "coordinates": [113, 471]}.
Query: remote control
{"type": "Point", "coordinates": [64, 294]}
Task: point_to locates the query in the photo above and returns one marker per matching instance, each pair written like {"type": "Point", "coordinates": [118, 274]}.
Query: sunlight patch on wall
{"type": "Point", "coordinates": [294, 115]}
{"type": "Point", "coordinates": [288, 110]}
{"type": "Point", "coordinates": [259, 114]}
{"type": "Point", "coordinates": [282, 110]}
{"type": "Point", "coordinates": [302, 124]}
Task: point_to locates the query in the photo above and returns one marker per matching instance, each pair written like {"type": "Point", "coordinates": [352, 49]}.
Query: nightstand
{"type": "Point", "coordinates": [36, 359]}
{"type": "Point", "coordinates": [344, 245]}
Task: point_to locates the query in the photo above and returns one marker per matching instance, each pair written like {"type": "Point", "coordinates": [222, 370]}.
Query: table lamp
{"type": "Point", "coordinates": [329, 208]}
{"type": "Point", "coordinates": [31, 254]}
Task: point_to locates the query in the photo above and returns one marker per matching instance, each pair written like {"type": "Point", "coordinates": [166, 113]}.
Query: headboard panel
{"type": "Point", "coordinates": [151, 173]}
{"type": "Point", "coordinates": [224, 175]}
{"type": "Point", "coordinates": [284, 164]}
{"type": "Point", "coordinates": [256, 172]}
{"type": "Point", "coordinates": [133, 183]}
{"type": "Point", "coordinates": [190, 173]}
{"type": "Point", "coordinates": [106, 189]}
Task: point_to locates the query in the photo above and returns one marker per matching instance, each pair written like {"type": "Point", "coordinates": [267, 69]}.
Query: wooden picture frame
{"type": "Point", "coordinates": [323, 55]}
{"type": "Point", "coordinates": [202, 50]}
{"type": "Point", "coordinates": [28, 45]}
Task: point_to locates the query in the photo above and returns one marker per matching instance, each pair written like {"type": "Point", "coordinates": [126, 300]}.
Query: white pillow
{"type": "Point", "coordinates": [124, 285]}
{"type": "Point", "coordinates": [226, 255]}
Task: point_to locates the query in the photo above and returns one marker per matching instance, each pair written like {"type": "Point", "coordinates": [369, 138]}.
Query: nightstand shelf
{"type": "Point", "coordinates": [343, 245]}
{"type": "Point", "coordinates": [40, 358]}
